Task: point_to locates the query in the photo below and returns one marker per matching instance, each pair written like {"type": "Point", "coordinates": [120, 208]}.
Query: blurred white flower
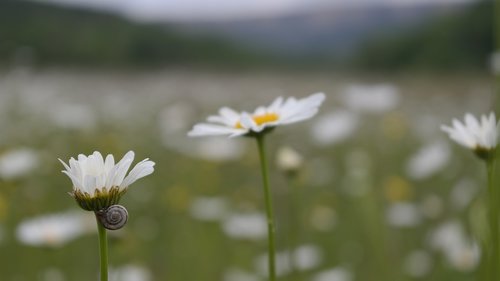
{"type": "Point", "coordinates": [432, 206]}
{"type": "Point", "coordinates": [371, 98]}
{"type": "Point", "coordinates": [235, 274]}
{"type": "Point", "coordinates": [403, 215]}
{"type": "Point", "coordinates": [334, 274]}
{"type": "Point", "coordinates": [282, 264]}
{"type": "Point", "coordinates": [418, 264]}
{"type": "Point", "coordinates": [428, 160]}
{"type": "Point", "coordinates": [130, 273]}
{"type": "Point", "coordinates": [73, 116]}
{"type": "Point", "coordinates": [93, 178]}
{"type": "Point", "coordinates": [280, 112]}
{"type": "Point", "coordinates": [54, 230]}
{"type": "Point", "coordinates": [288, 160]}
{"type": "Point", "coordinates": [478, 135]}
{"type": "Point", "coordinates": [52, 274]}
{"type": "Point", "coordinates": [175, 119]}
{"type": "Point", "coordinates": [461, 252]}
{"type": "Point", "coordinates": [323, 218]}
{"type": "Point", "coordinates": [495, 63]}
{"type": "Point", "coordinates": [251, 226]}
{"type": "Point", "coordinates": [209, 208]}
{"type": "Point", "coordinates": [463, 193]}
{"type": "Point", "coordinates": [306, 257]}
{"type": "Point", "coordinates": [334, 127]}
{"type": "Point", "coordinates": [18, 162]}
{"type": "Point", "coordinates": [216, 149]}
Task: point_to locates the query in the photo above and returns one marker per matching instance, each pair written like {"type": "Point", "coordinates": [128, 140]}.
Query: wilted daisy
{"type": "Point", "coordinates": [279, 112]}
{"type": "Point", "coordinates": [99, 183]}
{"type": "Point", "coordinates": [479, 135]}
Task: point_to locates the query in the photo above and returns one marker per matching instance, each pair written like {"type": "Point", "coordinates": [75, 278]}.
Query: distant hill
{"type": "Point", "coordinates": [370, 38]}
{"type": "Point", "coordinates": [44, 34]}
{"type": "Point", "coordinates": [325, 32]}
{"type": "Point", "coordinates": [460, 42]}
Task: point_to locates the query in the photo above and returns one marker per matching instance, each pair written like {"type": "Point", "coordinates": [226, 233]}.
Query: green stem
{"type": "Point", "coordinates": [494, 221]}
{"type": "Point", "coordinates": [103, 250]}
{"type": "Point", "coordinates": [269, 207]}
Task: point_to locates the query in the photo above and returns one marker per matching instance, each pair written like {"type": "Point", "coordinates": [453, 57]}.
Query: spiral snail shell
{"type": "Point", "coordinates": [114, 217]}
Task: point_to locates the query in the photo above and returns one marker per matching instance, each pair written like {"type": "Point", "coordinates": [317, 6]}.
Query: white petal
{"type": "Point", "coordinates": [212, 130]}
{"type": "Point", "coordinates": [248, 122]}
{"type": "Point", "coordinates": [121, 168]}
{"type": "Point", "coordinates": [140, 170]}
{"type": "Point", "coordinates": [121, 171]}
{"type": "Point", "coordinates": [99, 161]}
{"type": "Point", "coordinates": [76, 182]}
{"type": "Point", "coordinates": [229, 114]}
{"type": "Point", "coordinates": [89, 184]}
{"type": "Point", "coordinates": [219, 119]}
{"type": "Point", "coordinates": [260, 111]}
{"type": "Point", "coordinates": [471, 121]}
{"type": "Point", "coordinates": [275, 105]}
{"type": "Point", "coordinates": [76, 170]}
{"type": "Point", "coordinates": [65, 165]}
{"type": "Point", "coordinates": [109, 164]}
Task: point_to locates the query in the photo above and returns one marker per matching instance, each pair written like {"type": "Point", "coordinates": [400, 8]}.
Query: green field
{"type": "Point", "coordinates": [385, 197]}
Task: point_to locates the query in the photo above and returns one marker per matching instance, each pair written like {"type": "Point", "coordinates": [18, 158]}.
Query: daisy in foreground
{"type": "Point", "coordinates": [257, 124]}
{"type": "Point", "coordinates": [481, 136]}
{"type": "Point", "coordinates": [98, 185]}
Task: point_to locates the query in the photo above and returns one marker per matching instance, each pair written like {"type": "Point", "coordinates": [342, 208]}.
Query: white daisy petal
{"type": "Point", "coordinates": [475, 133]}
{"type": "Point", "coordinates": [76, 182]}
{"type": "Point", "coordinates": [211, 130]}
{"type": "Point", "coordinates": [276, 104]}
{"type": "Point", "coordinates": [140, 170]}
{"type": "Point", "coordinates": [121, 171]}
{"type": "Point", "coordinates": [229, 114]}
{"type": "Point", "coordinates": [65, 165]}
{"type": "Point", "coordinates": [109, 163]}
{"type": "Point", "coordinates": [89, 184]}
{"type": "Point", "coordinates": [247, 121]}
{"type": "Point", "coordinates": [279, 112]}
{"type": "Point", "coordinates": [91, 173]}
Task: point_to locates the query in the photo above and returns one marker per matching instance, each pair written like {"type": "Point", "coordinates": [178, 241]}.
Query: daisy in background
{"type": "Point", "coordinates": [481, 136]}
{"type": "Point", "coordinates": [98, 185]}
{"type": "Point", "coordinates": [257, 124]}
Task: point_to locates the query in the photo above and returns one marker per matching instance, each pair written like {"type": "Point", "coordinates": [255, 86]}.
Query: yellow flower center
{"type": "Point", "coordinates": [260, 119]}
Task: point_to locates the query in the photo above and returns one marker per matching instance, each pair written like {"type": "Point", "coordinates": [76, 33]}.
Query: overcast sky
{"type": "Point", "coordinates": [191, 10]}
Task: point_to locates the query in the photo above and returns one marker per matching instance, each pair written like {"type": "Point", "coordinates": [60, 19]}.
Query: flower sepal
{"type": "Point", "coordinates": [485, 153]}
{"type": "Point", "coordinates": [100, 200]}
{"type": "Point", "coordinates": [253, 134]}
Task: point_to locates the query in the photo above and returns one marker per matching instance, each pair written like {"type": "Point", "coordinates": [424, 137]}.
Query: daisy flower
{"type": "Point", "coordinates": [478, 135]}
{"type": "Point", "coordinates": [99, 183]}
{"type": "Point", "coordinates": [279, 112]}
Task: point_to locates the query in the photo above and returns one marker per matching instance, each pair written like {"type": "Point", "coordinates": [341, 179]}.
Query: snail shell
{"type": "Point", "coordinates": [114, 217]}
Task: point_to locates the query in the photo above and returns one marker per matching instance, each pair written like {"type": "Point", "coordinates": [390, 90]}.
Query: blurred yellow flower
{"type": "Point", "coordinates": [397, 189]}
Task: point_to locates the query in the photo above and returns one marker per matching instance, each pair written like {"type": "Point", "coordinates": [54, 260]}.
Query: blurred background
{"type": "Point", "coordinates": [382, 194]}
